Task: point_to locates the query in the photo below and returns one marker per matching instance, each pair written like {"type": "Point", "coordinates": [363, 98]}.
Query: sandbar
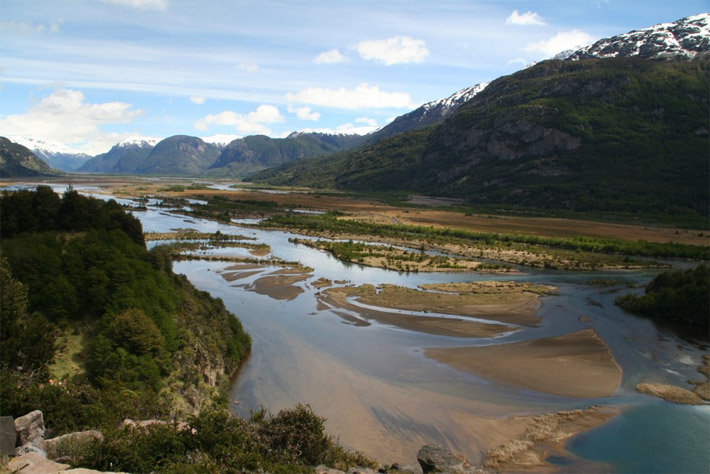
{"type": "Point", "coordinates": [510, 304]}
{"type": "Point", "coordinates": [670, 393]}
{"type": "Point", "coordinates": [574, 365]}
{"type": "Point", "coordinates": [233, 276]}
{"type": "Point", "coordinates": [442, 326]}
{"type": "Point", "coordinates": [279, 287]}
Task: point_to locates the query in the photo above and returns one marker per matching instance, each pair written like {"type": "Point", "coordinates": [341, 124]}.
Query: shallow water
{"type": "Point", "coordinates": [382, 395]}
{"type": "Point", "coordinates": [379, 373]}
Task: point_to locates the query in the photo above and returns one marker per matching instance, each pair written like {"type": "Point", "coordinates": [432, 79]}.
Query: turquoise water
{"type": "Point", "coordinates": [651, 438]}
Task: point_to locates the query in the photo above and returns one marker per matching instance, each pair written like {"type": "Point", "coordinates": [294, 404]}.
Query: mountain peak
{"type": "Point", "coordinates": [682, 39]}
{"type": "Point", "coordinates": [139, 141]}
{"type": "Point", "coordinates": [457, 98]}
{"type": "Point", "coordinates": [44, 145]}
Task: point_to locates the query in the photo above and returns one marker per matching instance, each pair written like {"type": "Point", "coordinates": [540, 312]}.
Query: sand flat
{"type": "Point", "coordinates": [574, 365]}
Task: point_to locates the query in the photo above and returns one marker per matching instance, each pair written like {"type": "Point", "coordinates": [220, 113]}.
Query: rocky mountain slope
{"type": "Point", "coordinates": [17, 161]}
{"type": "Point", "coordinates": [682, 39]}
{"type": "Point", "coordinates": [428, 114]}
{"type": "Point", "coordinates": [124, 157]}
{"type": "Point", "coordinates": [55, 154]}
{"type": "Point", "coordinates": [179, 155]}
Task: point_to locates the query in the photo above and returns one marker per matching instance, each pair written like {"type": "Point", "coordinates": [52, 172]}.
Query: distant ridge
{"type": "Point", "coordinates": [17, 161]}
{"type": "Point", "coordinates": [55, 154]}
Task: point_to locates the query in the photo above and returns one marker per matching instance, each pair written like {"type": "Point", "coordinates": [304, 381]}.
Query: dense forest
{"type": "Point", "coordinates": [77, 266]}
{"type": "Point", "coordinates": [678, 295]}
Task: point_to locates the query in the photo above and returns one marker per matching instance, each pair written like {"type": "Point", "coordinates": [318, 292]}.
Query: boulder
{"type": "Point", "coordinates": [30, 428]}
{"type": "Point", "coordinates": [35, 463]}
{"type": "Point", "coordinates": [405, 468]}
{"type": "Point", "coordinates": [327, 470]}
{"type": "Point", "coordinates": [8, 436]}
{"type": "Point", "coordinates": [434, 458]}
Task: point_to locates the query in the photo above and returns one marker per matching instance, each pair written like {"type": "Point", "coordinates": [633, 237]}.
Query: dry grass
{"type": "Point", "coordinates": [65, 365]}
{"type": "Point", "coordinates": [541, 434]}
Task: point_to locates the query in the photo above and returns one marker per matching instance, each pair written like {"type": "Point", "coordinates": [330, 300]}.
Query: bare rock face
{"type": "Point", "coordinates": [30, 428]}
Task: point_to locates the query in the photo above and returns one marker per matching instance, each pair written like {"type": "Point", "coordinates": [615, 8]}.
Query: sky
{"type": "Point", "coordinates": [90, 73]}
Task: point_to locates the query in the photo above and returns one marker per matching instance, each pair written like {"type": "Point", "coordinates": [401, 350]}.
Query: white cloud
{"type": "Point", "coordinates": [26, 27]}
{"type": "Point", "coordinates": [524, 19]}
{"type": "Point", "coordinates": [395, 50]}
{"type": "Point", "coordinates": [332, 56]}
{"type": "Point", "coordinates": [197, 100]}
{"type": "Point", "coordinates": [249, 124]}
{"type": "Point", "coordinates": [521, 61]}
{"type": "Point", "coordinates": [562, 41]}
{"type": "Point", "coordinates": [304, 113]}
{"type": "Point", "coordinates": [366, 120]}
{"type": "Point", "coordinates": [141, 4]}
{"type": "Point", "coordinates": [363, 96]}
{"type": "Point", "coordinates": [65, 116]}
{"type": "Point", "coordinates": [248, 67]}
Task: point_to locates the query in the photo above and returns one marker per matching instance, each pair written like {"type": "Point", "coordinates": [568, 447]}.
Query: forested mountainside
{"type": "Point", "coordinates": [617, 134]}
{"type": "Point", "coordinates": [253, 153]}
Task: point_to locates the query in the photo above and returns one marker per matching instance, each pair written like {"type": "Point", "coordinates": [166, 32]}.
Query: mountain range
{"type": "Point", "coordinates": [55, 154]}
{"type": "Point", "coordinates": [595, 133]}
{"type": "Point", "coordinates": [620, 125]}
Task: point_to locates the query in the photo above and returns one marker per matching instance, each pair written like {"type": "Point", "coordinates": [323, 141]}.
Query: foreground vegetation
{"type": "Point", "coordinates": [82, 297]}
{"type": "Point", "coordinates": [680, 295]}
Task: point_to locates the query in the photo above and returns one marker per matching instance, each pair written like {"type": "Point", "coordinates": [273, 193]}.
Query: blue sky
{"type": "Point", "coordinates": [89, 73]}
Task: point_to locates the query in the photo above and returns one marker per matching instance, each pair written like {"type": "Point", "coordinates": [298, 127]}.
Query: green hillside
{"type": "Point", "coordinates": [621, 135]}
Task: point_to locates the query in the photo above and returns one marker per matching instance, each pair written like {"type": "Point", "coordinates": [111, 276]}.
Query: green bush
{"type": "Point", "coordinates": [679, 295]}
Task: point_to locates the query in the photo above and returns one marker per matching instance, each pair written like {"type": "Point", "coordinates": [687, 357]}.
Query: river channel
{"type": "Point", "coordinates": [382, 395]}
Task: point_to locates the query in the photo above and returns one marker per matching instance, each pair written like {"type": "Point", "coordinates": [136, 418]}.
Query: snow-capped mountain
{"type": "Point", "coordinates": [54, 153]}
{"type": "Point", "coordinates": [138, 141]}
{"type": "Point", "coordinates": [682, 39]}
{"type": "Point", "coordinates": [124, 157]}
{"type": "Point", "coordinates": [454, 100]}
{"type": "Point", "coordinates": [220, 140]}
{"type": "Point", "coordinates": [326, 131]}
{"type": "Point", "coordinates": [428, 114]}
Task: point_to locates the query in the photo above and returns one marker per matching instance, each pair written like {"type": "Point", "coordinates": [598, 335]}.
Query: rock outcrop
{"type": "Point", "coordinates": [30, 432]}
